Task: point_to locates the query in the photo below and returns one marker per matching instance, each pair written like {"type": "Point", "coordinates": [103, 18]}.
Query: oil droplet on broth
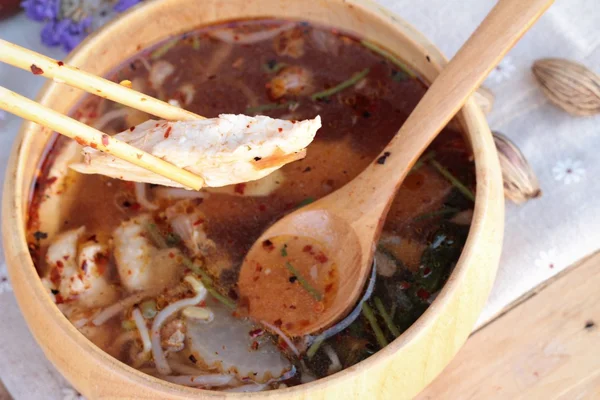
{"type": "Point", "coordinates": [289, 282]}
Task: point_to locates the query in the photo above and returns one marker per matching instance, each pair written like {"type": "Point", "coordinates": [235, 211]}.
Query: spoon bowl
{"type": "Point", "coordinates": [346, 224]}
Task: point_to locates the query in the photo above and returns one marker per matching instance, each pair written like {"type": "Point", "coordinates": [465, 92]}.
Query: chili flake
{"type": "Point", "coordinates": [36, 70]}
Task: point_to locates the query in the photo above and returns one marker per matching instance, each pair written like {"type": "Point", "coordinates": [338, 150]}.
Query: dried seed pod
{"type": "Point", "coordinates": [569, 85]}
{"type": "Point", "coordinates": [520, 183]}
{"type": "Point", "coordinates": [484, 99]}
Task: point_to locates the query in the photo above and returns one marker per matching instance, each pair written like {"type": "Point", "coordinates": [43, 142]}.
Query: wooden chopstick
{"type": "Point", "coordinates": [88, 136]}
{"type": "Point", "coordinates": [39, 64]}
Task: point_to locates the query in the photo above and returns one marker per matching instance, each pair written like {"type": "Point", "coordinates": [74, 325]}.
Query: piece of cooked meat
{"type": "Point", "coordinates": [224, 151]}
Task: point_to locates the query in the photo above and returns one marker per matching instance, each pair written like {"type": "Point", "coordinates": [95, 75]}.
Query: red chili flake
{"type": "Point", "coordinates": [136, 206]}
{"type": "Point", "coordinates": [105, 139]}
{"type": "Point", "coordinates": [262, 207]}
{"type": "Point", "coordinates": [322, 258]}
{"type": "Point", "coordinates": [84, 266]}
{"type": "Point", "coordinates": [50, 181]}
{"type": "Point", "coordinates": [60, 63]}
{"type": "Point", "coordinates": [307, 249]}
{"type": "Point", "coordinates": [167, 133]}
{"type": "Point", "coordinates": [258, 268]}
{"type": "Point", "coordinates": [198, 221]}
{"type": "Point", "coordinates": [423, 294]}
{"type": "Point", "coordinates": [55, 276]}
{"type": "Point", "coordinates": [236, 38]}
{"type": "Point", "coordinates": [93, 145]}
{"type": "Point", "coordinates": [404, 285]}
{"type": "Point", "coordinates": [293, 307]}
{"type": "Point", "coordinates": [256, 333]}
{"type": "Point", "coordinates": [93, 114]}
{"type": "Point", "coordinates": [202, 304]}
{"type": "Point", "coordinates": [240, 188]}
{"type": "Point", "coordinates": [131, 128]}
{"type": "Point", "coordinates": [254, 345]}
{"type": "Point", "coordinates": [59, 264]}
{"type": "Point", "coordinates": [171, 255]}
{"type": "Point", "coordinates": [278, 323]}
{"type": "Point", "coordinates": [268, 245]}
{"type": "Point", "coordinates": [59, 299]}
{"type": "Point", "coordinates": [307, 169]}
{"type": "Point", "coordinates": [193, 359]}
{"type": "Point", "coordinates": [304, 323]}
{"type": "Point", "coordinates": [80, 141]}
{"type": "Point", "coordinates": [36, 70]}
{"type": "Point", "coordinates": [280, 129]}
{"type": "Point", "coordinates": [66, 258]}
{"type": "Point", "coordinates": [254, 279]}
{"type": "Point", "coordinates": [92, 238]}
{"type": "Point", "coordinates": [328, 288]}
{"type": "Point", "coordinates": [426, 272]}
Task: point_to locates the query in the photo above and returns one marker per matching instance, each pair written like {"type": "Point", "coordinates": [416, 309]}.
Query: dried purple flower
{"type": "Point", "coordinates": [41, 10]}
{"type": "Point", "coordinates": [123, 5]}
{"type": "Point", "coordinates": [68, 22]}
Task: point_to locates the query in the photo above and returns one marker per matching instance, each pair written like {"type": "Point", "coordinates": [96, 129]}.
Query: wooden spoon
{"type": "Point", "coordinates": [308, 269]}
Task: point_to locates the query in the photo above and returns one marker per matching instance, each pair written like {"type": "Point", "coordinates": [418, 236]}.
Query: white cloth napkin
{"type": "Point", "coordinates": [543, 236]}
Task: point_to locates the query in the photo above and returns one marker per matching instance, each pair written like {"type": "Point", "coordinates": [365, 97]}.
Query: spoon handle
{"type": "Point", "coordinates": [496, 35]}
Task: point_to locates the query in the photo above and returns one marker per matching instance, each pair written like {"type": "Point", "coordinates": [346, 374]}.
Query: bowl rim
{"type": "Point", "coordinates": [487, 192]}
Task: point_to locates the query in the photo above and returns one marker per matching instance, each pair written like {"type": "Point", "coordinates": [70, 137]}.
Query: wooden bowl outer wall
{"type": "Point", "coordinates": [399, 371]}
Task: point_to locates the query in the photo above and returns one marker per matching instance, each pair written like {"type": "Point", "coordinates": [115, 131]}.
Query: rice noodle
{"type": "Point", "coordinates": [282, 335]}
{"type": "Point", "coordinates": [233, 36]}
{"type": "Point", "coordinates": [140, 323]}
{"type": "Point", "coordinates": [181, 368]}
{"type": "Point", "coordinates": [141, 196]}
{"type": "Point", "coordinates": [253, 387]}
{"type": "Point", "coordinates": [110, 116]}
{"type": "Point", "coordinates": [157, 352]}
{"type": "Point", "coordinates": [213, 380]}
{"type": "Point", "coordinates": [119, 306]}
{"type": "Point", "coordinates": [335, 365]}
{"type": "Point", "coordinates": [163, 192]}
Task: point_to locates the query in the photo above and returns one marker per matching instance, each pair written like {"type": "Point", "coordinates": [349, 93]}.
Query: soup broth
{"type": "Point", "coordinates": [149, 273]}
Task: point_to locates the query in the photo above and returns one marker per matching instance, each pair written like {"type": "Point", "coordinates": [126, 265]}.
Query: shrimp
{"type": "Point", "coordinates": [79, 271]}
{"type": "Point", "coordinates": [140, 264]}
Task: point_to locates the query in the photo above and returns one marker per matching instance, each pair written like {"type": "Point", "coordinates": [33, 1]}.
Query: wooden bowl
{"type": "Point", "coordinates": [400, 370]}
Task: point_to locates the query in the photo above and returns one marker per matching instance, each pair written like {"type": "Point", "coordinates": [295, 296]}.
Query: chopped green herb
{"type": "Point", "coordinates": [393, 59]}
{"type": "Point", "coordinates": [172, 239]}
{"type": "Point", "coordinates": [128, 325]}
{"type": "Point", "coordinates": [284, 252]}
{"type": "Point", "coordinates": [305, 202]}
{"type": "Point", "coordinates": [162, 50]}
{"type": "Point", "coordinates": [156, 236]}
{"type": "Point", "coordinates": [208, 283]}
{"type": "Point", "coordinates": [148, 309]}
{"type": "Point", "coordinates": [344, 85]}
{"type": "Point", "coordinates": [386, 317]}
{"type": "Point", "coordinates": [452, 179]}
{"type": "Point", "coordinates": [368, 313]}
{"type": "Point", "coordinates": [399, 76]}
{"type": "Point", "coordinates": [421, 161]}
{"type": "Point", "coordinates": [312, 350]}
{"type": "Point", "coordinates": [269, 107]}
{"type": "Point", "coordinates": [273, 66]}
{"type": "Point", "coordinates": [437, 213]}
{"type": "Point", "coordinates": [195, 268]}
{"type": "Point", "coordinates": [313, 292]}
{"type": "Point", "coordinates": [195, 42]}
{"type": "Point", "coordinates": [227, 302]}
